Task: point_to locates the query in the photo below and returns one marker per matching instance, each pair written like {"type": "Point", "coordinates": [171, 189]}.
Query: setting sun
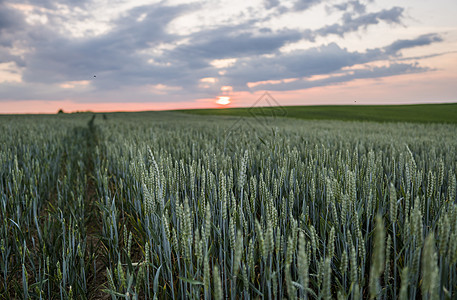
{"type": "Point", "coordinates": [223, 100]}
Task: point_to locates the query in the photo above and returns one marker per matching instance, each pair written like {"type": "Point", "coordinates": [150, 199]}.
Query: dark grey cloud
{"type": "Point", "coordinates": [368, 73]}
{"type": "Point", "coordinates": [6, 57]}
{"type": "Point", "coordinates": [6, 19]}
{"type": "Point", "coordinates": [241, 40]}
{"type": "Point", "coordinates": [321, 60]}
{"type": "Point", "coordinates": [422, 40]}
{"type": "Point", "coordinates": [271, 3]}
{"type": "Point", "coordinates": [351, 24]}
{"type": "Point", "coordinates": [302, 63]}
{"type": "Point", "coordinates": [115, 54]}
{"type": "Point", "coordinates": [420, 57]}
{"type": "Point", "coordinates": [128, 56]}
{"type": "Point", "coordinates": [355, 6]}
{"type": "Point", "coordinates": [229, 44]}
{"type": "Point", "coordinates": [10, 22]}
{"type": "Point", "coordinates": [300, 5]}
{"type": "Point", "coordinates": [51, 4]}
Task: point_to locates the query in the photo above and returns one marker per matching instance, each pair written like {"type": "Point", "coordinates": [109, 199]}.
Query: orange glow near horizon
{"type": "Point", "coordinates": [223, 100]}
{"type": "Point", "coordinates": [68, 106]}
{"type": "Point", "coordinates": [403, 89]}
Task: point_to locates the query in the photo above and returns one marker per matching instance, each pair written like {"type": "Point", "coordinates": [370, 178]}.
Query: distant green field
{"type": "Point", "coordinates": [421, 113]}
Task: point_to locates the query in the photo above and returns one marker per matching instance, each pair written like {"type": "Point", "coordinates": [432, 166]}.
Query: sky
{"type": "Point", "coordinates": [119, 55]}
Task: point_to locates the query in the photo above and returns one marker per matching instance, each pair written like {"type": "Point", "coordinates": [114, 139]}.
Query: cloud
{"type": "Point", "coordinates": [300, 63]}
{"type": "Point", "coordinates": [351, 24]}
{"type": "Point", "coordinates": [355, 6]}
{"type": "Point", "coordinates": [51, 4]}
{"type": "Point", "coordinates": [138, 56]}
{"type": "Point", "coordinates": [6, 19]}
{"type": "Point", "coordinates": [326, 59]}
{"type": "Point", "coordinates": [10, 22]}
{"type": "Point", "coordinates": [300, 5]}
{"type": "Point", "coordinates": [339, 78]}
{"type": "Point", "coordinates": [416, 58]}
{"type": "Point", "coordinates": [115, 56]}
{"type": "Point", "coordinates": [422, 40]}
{"type": "Point", "coordinates": [227, 44]}
{"type": "Point", "coordinates": [6, 57]}
{"type": "Point", "coordinates": [271, 3]}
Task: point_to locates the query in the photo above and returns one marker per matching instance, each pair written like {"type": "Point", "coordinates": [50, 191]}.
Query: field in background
{"type": "Point", "coordinates": [171, 205]}
{"type": "Point", "coordinates": [422, 113]}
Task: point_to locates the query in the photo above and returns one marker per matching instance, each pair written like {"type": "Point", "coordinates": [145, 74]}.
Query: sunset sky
{"type": "Point", "coordinates": [114, 55]}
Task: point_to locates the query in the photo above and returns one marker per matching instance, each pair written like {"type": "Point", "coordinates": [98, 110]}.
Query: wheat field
{"type": "Point", "coordinates": [169, 205]}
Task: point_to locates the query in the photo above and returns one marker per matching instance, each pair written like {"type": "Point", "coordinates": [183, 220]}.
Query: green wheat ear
{"type": "Point", "coordinates": [377, 263]}
{"type": "Point", "coordinates": [218, 294]}
{"type": "Point", "coordinates": [430, 279]}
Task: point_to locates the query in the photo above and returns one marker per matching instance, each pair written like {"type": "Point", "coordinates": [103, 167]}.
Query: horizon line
{"type": "Point", "coordinates": [226, 108]}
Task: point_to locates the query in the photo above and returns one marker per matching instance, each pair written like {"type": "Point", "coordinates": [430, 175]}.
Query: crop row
{"type": "Point", "coordinates": [164, 205]}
